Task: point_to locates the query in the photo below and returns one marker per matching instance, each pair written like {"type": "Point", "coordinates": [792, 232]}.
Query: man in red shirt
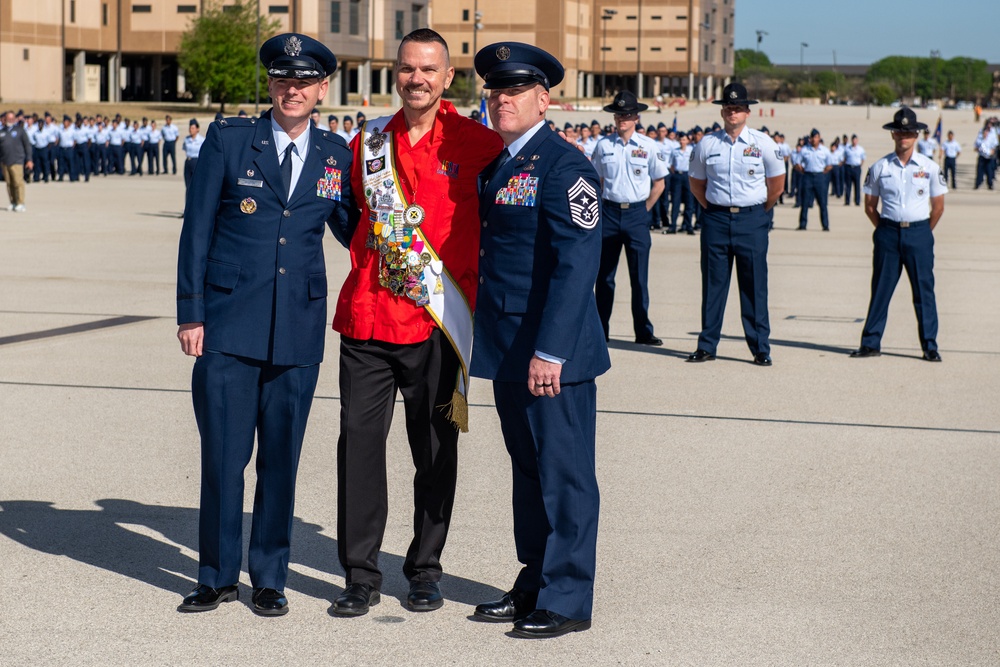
{"type": "Point", "coordinates": [405, 314]}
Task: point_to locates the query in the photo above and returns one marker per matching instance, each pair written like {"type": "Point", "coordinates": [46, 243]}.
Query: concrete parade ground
{"type": "Point", "coordinates": [823, 511]}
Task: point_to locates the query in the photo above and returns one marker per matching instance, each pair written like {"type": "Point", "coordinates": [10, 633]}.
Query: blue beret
{"type": "Point", "coordinates": [331, 117]}
{"type": "Point", "coordinates": [568, 126]}
{"type": "Point", "coordinates": [512, 64]}
{"type": "Point", "coordinates": [348, 118]}
{"type": "Point", "coordinates": [696, 129]}
{"type": "Point", "coordinates": [193, 121]}
{"type": "Point", "coordinates": [67, 118]}
{"type": "Point", "coordinates": [294, 56]}
{"type": "Point", "coordinates": [659, 125]}
{"type": "Point", "coordinates": [594, 122]}
{"type": "Point", "coordinates": [360, 116]}
{"type": "Point", "coordinates": [814, 132]}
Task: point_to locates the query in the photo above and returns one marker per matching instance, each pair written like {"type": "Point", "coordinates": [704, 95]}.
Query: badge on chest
{"type": "Point", "coordinates": [328, 186]}
{"type": "Point", "coordinates": [521, 190]}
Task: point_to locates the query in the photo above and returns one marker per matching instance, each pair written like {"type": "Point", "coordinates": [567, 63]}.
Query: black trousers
{"type": "Point", "coordinates": [371, 372]}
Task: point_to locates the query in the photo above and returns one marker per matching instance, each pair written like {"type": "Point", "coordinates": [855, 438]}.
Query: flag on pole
{"type": "Point", "coordinates": [675, 122]}
{"type": "Point", "coordinates": [482, 111]}
{"type": "Point", "coordinates": [937, 131]}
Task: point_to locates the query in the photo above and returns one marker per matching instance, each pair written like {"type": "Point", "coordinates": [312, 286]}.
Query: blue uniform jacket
{"type": "Point", "coordinates": [538, 264]}
{"type": "Point", "coordinates": [250, 265]}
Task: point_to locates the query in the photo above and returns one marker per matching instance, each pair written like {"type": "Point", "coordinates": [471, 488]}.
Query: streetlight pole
{"type": "Point", "coordinates": [802, 57]}
{"type": "Point", "coordinates": [605, 17]}
{"type": "Point", "coordinates": [935, 54]}
{"type": "Point", "coordinates": [477, 25]}
{"type": "Point", "coordinates": [756, 65]}
{"type": "Point", "coordinates": [256, 77]}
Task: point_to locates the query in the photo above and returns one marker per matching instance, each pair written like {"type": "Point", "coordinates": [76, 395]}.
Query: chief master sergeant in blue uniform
{"type": "Point", "coordinates": [251, 304]}
{"type": "Point", "coordinates": [912, 190]}
{"type": "Point", "coordinates": [737, 174]}
{"type": "Point", "coordinates": [632, 168]}
{"type": "Point", "coordinates": [539, 338]}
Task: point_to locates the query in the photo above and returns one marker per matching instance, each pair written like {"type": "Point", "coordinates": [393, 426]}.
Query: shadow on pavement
{"type": "Point", "coordinates": [101, 538]}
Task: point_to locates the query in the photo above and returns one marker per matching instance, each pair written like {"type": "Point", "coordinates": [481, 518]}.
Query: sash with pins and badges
{"type": "Point", "coordinates": [409, 266]}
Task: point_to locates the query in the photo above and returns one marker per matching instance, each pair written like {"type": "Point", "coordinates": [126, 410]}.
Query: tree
{"type": "Point", "coordinates": [750, 61]}
{"type": "Point", "coordinates": [219, 52]}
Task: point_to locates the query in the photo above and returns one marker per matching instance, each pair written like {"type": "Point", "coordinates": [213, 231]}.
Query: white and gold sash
{"type": "Point", "coordinates": [400, 236]}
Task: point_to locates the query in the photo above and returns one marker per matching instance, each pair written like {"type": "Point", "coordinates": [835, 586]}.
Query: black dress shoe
{"type": "Point", "coordinates": [932, 355]}
{"type": "Point", "coordinates": [649, 340]}
{"type": "Point", "coordinates": [356, 599]}
{"type": "Point", "coordinates": [762, 359]}
{"type": "Point", "coordinates": [700, 356]}
{"type": "Point", "coordinates": [513, 606]}
{"type": "Point", "coordinates": [865, 351]}
{"type": "Point", "coordinates": [269, 602]}
{"type": "Point", "coordinates": [424, 596]}
{"type": "Point", "coordinates": [206, 598]}
{"type": "Point", "coordinates": [543, 624]}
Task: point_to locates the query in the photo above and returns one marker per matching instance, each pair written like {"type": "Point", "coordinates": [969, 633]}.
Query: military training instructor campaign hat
{"type": "Point", "coordinates": [905, 120]}
{"type": "Point", "coordinates": [735, 95]}
{"type": "Point", "coordinates": [513, 64]}
{"type": "Point", "coordinates": [626, 103]}
{"type": "Point", "coordinates": [294, 56]}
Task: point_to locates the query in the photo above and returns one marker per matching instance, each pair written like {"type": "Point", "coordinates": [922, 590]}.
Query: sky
{"type": "Point", "coordinates": [863, 31]}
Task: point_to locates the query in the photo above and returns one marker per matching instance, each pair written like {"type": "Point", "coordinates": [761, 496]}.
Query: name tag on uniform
{"type": "Point", "coordinates": [250, 182]}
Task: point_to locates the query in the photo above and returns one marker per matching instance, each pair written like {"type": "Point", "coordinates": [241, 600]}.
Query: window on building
{"type": "Point", "coordinates": [187, 9]}
{"type": "Point", "coordinates": [143, 9]}
{"type": "Point", "coordinates": [335, 16]}
{"type": "Point", "coordinates": [656, 18]}
{"type": "Point", "coordinates": [631, 17]}
{"type": "Point", "coordinates": [26, 53]}
{"type": "Point", "coordinates": [725, 26]}
{"type": "Point", "coordinates": [630, 48]}
{"type": "Point", "coordinates": [230, 8]}
{"type": "Point", "coordinates": [354, 18]}
{"type": "Point", "coordinates": [72, 11]}
{"type": "Point", "coordinates": [465, 47]}
{"type": "Point", "coordinates": [465, 14]}
{"type": "Point", "coordinates": [104, 13]}
{"type": "Point", "coordinates": [680, 48]}
{"type": "Point", "coordinates": [655, 48]}
{"type": "Point", "coordinates": [706, 53]}
{"type": "Point", "coordinates": [708, 20]}
{"type": "Point", "coordinates": [277, 9]}
{"type": "Point", "coordinates": [415, 13]}
{"type": "Point", "coordinates": [725, 56]}
{"type": "Point", "coordinates": [399, 24]}
{"type": "Point", "coordinates": [682, 18]}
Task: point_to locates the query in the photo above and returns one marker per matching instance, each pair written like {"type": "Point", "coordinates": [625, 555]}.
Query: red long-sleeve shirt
{"type": "Point", "coordinates": [440, 174]}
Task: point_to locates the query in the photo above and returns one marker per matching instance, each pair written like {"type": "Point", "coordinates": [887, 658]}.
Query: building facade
{"type": "Point", "coordinates": [121, 50]}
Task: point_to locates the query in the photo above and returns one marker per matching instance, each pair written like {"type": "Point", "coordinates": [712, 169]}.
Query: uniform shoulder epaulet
{"type": "Point", "coordinates": [332, 137]}
{"type": "Point", "coordinates": [235, 121]}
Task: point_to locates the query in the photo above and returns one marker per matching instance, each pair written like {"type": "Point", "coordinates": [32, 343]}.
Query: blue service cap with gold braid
{"type": "Point", "coordinates": [294, 56]}
{"type": "Point", "coordinates": [513, 64]}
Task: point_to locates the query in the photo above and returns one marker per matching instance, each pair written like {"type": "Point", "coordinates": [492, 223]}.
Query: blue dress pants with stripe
{"type": "Point", "coordinates": [236, 399]}
{"type": "Point", "coordinates": [895, 248]}
{"type": "Point", "coordinates": [725, 238]}
{"type": "Point", "coordinates": [551, 442]}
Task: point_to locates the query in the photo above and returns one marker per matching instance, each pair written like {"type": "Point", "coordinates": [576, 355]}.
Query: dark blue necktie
{"type": "Point", "coordinates": [286, 170]}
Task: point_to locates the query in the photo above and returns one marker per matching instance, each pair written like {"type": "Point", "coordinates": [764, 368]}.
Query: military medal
{"type": "Point", "coordinates": [375, 141]}
{"type": "Point", "coordinates": [248, 205]}
{"type": "Point", "coordinates": [414, 215]}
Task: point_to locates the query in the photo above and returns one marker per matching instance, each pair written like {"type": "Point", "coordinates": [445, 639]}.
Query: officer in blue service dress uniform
{"type": "Point", "coordinates": [251, 304]}
{"type": "Point", "coordinates": [912, 189]}
{"type": "Point", "coordinates": [737, 174]}
{"type": "Point", "coordinates": [539, 339]}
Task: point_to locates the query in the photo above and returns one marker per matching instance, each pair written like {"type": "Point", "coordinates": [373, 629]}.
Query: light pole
{"type": "Point", "coordinates": [935, 54]}
{"type": "Point", "coordinates": [477, 25]}
{"type": "Point", "coordinates": [756, 65]}
{"type": "Point", "coordinates": [256, 77]}
{"type": "Point", "coordinates": [605, 17]}
{"type": "Point", "coordinates": [802, 56]}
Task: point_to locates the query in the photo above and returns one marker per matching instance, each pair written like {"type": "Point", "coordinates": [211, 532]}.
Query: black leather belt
{"type": "Point", "coordinates": [623, 205]}
{"type": "Point", "coordinates": [735, 209]}
{"type": "Point", "coordinates": [902, 225]}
